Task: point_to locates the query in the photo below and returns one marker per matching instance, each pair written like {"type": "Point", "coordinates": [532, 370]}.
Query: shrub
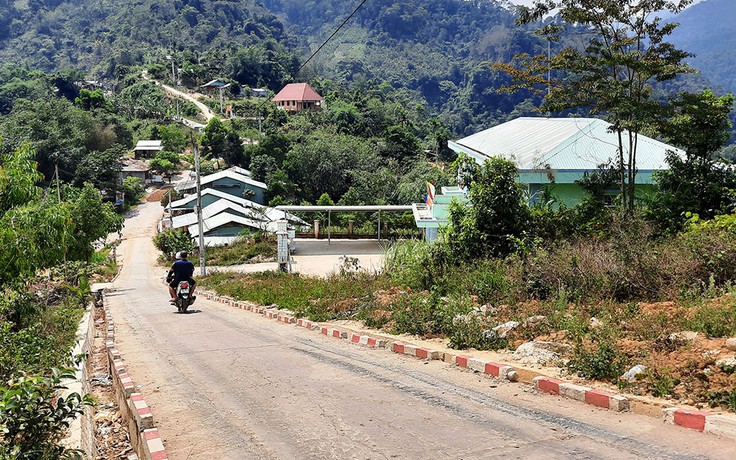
{"type": "Point", "coordinates": [598, 361]}
{"type": "Point", "coordinates": [725, 399]}
{"type": "Point", "coordinates": [415, 264]}
{"type": "Point", "coordinates": [33, 421]}
{"type": "Point", "coordinates": [660, 382]}
{"type": "Point", "coordinates": [496, 217]}
{"type": "Point", "coordinates": [713, 320]}
{"type": "Point", "coordinates": [415, 314]}
{"type": "Point", "coordinates": [243, 250]}
{"type": "Point", "coordinates": [172, 241]}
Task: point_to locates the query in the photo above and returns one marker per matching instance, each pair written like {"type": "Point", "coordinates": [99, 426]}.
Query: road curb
{"type": "Point", "coordinates": [707, 422]}
{"type": "Point", "coordinates": [144, 436]}
{"type": "Point", "coordinates": [81, 432]}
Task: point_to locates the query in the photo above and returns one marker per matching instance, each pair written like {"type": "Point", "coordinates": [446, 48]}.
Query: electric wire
{"type": "Point", "coordinates": [330, 37]}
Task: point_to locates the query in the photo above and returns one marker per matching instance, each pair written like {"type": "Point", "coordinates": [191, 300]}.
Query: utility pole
{"type": "Point", "coordinates": [58, 187]}
{"type": "Point", "coordinates": [173, 73]}
{"type": "Point", "coordinates": [171, 216]}
{"type": "Point", "coordinates": [202, 267]}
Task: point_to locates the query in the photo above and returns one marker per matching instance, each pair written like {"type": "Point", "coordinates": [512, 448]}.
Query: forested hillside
{"type": "Point", "coordinates": [708, 30]}
{"type": "Point", "coordinates": [442, 50]}
{"type": "Point", "coordinates": [99, 36]}
{"type": "Point", "coordinates": [439, 53]}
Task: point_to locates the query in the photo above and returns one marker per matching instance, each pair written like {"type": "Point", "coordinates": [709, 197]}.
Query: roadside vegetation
{"type": "Point", "coordinates": [638, 293]}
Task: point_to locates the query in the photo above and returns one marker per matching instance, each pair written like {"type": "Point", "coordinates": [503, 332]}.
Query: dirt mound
{"type": "Point", "coordinates": [156, 195]}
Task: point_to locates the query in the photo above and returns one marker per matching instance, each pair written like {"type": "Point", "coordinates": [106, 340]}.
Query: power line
{"type": "Point", "coordinates": [330, 37]}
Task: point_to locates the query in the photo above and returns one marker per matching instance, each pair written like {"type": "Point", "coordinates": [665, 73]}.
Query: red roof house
{"type": "Point", "coordinates": [296, 97]}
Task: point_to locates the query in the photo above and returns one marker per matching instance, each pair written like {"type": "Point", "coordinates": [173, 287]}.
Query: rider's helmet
{"type": "Point", "coordinates": [182, 255]}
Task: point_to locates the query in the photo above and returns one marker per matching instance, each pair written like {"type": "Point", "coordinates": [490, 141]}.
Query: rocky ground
{"type": "Point", "coordinates": [111, 432]}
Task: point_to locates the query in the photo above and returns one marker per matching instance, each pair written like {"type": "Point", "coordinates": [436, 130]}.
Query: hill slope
{"type": "Point", "coordinates": [94, 35]}
{"type": "Point", "coordinates": [708, 29]}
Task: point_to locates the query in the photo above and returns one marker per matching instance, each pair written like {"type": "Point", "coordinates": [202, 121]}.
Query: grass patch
{"type": "Point", "coordinates": [318, 299]}
{"type": "Point", "coordinates": [247, 249]}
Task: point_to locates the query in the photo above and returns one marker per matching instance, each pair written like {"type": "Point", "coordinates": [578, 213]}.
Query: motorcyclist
{"type": "Point", "coordinates": [182, 270]}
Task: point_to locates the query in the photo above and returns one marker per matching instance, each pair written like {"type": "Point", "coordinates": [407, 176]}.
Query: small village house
{"type": "Point", "coordinates": [229, 181]}
{"type": "Point", "coordinates": [147, 149]}
{"type": "Point", "coordinates": [296, 97]}
{"type": "Point", "coordinates": [134, 168]}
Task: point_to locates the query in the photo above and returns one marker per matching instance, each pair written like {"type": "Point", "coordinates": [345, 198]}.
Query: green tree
{"type": "Point", "coordinates": [325, 163]}
{"type": "Point", "coordinates": [696, 183]}
{"type": "Point", "coordinates": [173, 139]}
{"type": "Point", "coordinates": [496, 217]}
{"type": "Point", "coordinates": [92, 219]}
{"type": "Point", "coordinates": [165, 163]}
{"type": "Point", "coordinates": [91, 100]}
{"type": "Point", "coordinates": [101, 169]}
{"type": "Point", "coordinates": [18, 178]}
{"type": "Point", "coordinates": [133, 189]}
{"type": "Point", "coordinates": [219, 141]}
{"type": "Point", "coordinates": [613, 75]}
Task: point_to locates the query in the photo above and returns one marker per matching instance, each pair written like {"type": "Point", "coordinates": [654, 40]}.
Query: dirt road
{"type": "Point", "coordinates": [230, 385]}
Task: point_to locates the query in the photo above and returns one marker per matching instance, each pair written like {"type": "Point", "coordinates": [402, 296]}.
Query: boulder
{"type": "Point", "coordinates": [502, 330]}
{"type": "Point", "coordinates": [727, 365]}
{"type": "Point", "coordinates": [632, 375]}
{"type": "Point", "coordinates": [534, 321]}
{"type": "Point", "coordinates": [538, 352]}
{"type": "Point", "coordinates": [683, 337]}
{"type": "Point", "coordinates": [731, 344]}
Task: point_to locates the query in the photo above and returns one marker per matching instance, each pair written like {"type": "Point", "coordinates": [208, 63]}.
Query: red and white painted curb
{"type": "Point", "coordinates": [144, 437]}
{"type": "Point", "coordinates": [598, 398]}
{"type": "Point", "coordinates": [154, 447]}
{"type": "Point", "coordinates": [722, 425]}
{"type": "Point", "coordinates": [708, 422]}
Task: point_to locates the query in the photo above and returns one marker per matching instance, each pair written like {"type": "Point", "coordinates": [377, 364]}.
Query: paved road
{"type": "Point", "coordinates": [228, 384]}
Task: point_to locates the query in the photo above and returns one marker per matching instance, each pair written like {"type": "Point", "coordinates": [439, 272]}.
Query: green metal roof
{"type": "Point", "coordinates": [554, 145]}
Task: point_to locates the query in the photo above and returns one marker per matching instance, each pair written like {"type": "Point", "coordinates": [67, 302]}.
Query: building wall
{"type": "Point", "coordinates": [228, 230]}
{"type": "Point", "coordinates": [572, 194]}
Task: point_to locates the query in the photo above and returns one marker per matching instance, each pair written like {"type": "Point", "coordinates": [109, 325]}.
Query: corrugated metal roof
{"type": "Point", "coordinates": [240, 204]}
{"type": "Point", "coordinates": [132, 165]}
{"type": "Point", "coordinates": [220, 194]}
{"type": "Point", "coordinates": [534, 143]}
{"type": "Point", "coordinates": [212, 210]}
{"type": "Point", "coordinates": [192, 183]}
{"type": "Point", "coordinates": [148, 145]}
{"type": "Point", "coordinates": [297, 92]}
{"type": "Point", "coordinates": [225, 218]}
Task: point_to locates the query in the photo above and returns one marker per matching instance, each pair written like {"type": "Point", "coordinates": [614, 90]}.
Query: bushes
{"type": "Point", "coordinates": [172, 241]}
{"type": "Point", "coordinates": [598, 361]}
{"type": "Point", "coordinates": [246, 249]}
{"type": "Point", "coordinates": [33, 421]}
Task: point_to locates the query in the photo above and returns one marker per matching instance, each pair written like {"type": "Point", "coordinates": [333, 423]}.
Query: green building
{"type": "Point", "coordinates": [554, 152]}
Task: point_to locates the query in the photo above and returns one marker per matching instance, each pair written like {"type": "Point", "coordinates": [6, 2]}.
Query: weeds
{"type": "Point", "coordinates": [725, 399]}
{"type": "Point", "coordinates": [660, 382]}
{"type": "Point", "coordinates": [246, 249]}
{"type": "Point", "coordinates": [598, 361]}
{"type": "Point", "coordinates": [713, 320]}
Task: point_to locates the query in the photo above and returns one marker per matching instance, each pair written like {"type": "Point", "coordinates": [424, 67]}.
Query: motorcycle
{"type": "Point", "coordinates": [183, 298]}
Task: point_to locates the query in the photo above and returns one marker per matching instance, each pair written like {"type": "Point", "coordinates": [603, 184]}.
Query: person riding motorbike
{"type": "Point", "coordinates": [182, 270]}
